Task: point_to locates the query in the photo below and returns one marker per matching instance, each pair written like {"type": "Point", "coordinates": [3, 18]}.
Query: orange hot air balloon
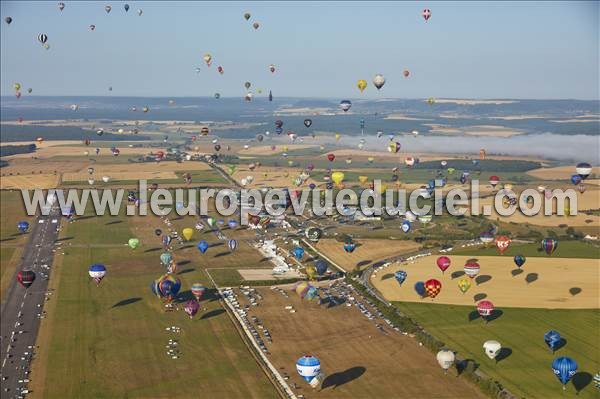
{"type": "Point", "coordinates": [432, 287]}
{"type": "Point", "coordinates": [482, 154]}
{"type": "Point", "coordinates": [502, 243]}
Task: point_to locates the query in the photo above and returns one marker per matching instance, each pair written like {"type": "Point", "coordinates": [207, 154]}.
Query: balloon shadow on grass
{"type": "Point", "coordinates": [222, 254]}
{"type": "Point", "coordinates": [516, 272]}
{"type": "Point", "coordinates": [496, 314]}
{"type": "Point", "coordinates": [152, 249]}
{"type": "Point", "coordinates": [581, 380]}
{"type": "Point", "coordinates": [126, 302]}
{"type": "Point", "coordinates": [343, 377]}
{"type": "Point", "coordinates": [215, 244]}
{"type": "Point", "coordinates": [482, 279]}
{"type": "Point", "coordinates": [479, 297]}
{"type": "Point", "coordinates": [531, 277]}
{"type": "Point", "coordinates": [561, 344]}
{"type": "Point", "coordinates": [504, 353]}
{"type": "Point", "coordinates": [387, 276]}
{"type": "Point", "coordinates": [188, 270]}
{"type": "Point", "coordinates": [113, 222]}
{"type": "Point", "coordinates": [575, 291]}
{"type": "Point", "coordinates": [457, 274]}
{"type": "Point", "coordinates": [212, 313]}
{"type": "Point", "coordinates": [363, 263]}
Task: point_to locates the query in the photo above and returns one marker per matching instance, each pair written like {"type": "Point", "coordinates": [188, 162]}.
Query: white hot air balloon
{"type": "Point", "coordinates": [105, 179]}
{"type": "Point", "coordinates": [492, 348]}
{"type": "Point", "coordinates": [378, 81]}
{"type": "Point", "coordinates": [445, 359]}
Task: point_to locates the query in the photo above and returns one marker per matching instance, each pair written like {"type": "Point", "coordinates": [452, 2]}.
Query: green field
{"type": "Point", "coordinates": [11, 212]}
{"type": "Point", "coordinates": [566, 249]}
{"type": "Point", "coordinates": [526, 370]}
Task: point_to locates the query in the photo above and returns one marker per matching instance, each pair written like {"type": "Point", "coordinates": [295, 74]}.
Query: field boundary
{"type": "Point", "coordinates": [265, 364]}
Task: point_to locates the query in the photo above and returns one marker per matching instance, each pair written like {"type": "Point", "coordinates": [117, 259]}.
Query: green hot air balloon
{"type": "Point", "coordinates": [133, 243]}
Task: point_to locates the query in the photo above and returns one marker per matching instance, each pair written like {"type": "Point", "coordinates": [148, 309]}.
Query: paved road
{"type": "Point", "coordinates": [19, 314]}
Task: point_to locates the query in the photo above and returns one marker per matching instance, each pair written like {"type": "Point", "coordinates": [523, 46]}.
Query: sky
{"type": "Point", "coordinates": [533, 50]}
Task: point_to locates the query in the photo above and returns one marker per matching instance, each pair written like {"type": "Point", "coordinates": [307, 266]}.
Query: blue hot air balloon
{"type": "Point", "coordinates": [520, 260]}
{"type": "Point", "coordinates": [308, 367]}
{"type": "Point", "coordinates": [349, 247]}
{"type": "Point", "coordinates": [420, 289]}
{"type": "Point", "coordinates": [400, 276]}
{"type": "Point", "coordinates": [232, 245]}
{"type": "Point", "coordinates": [232, 224]}
{"type": "Point", "coordinates": [406, 226]}
{"type": "Point", "coordinates": [202, 246]}
{"type": "Point", "coordinates": [298, 252]}
{"type": "Point", "coordinates": [166, 258]}
{"type": "Point", "coordinates": [552, 339]}
{"type": "Point", "coordinates": [564, 368]}
{"type": "Point", "coordinates": [321, 266]}
{"type": "Point", "coordinates": [23, 226]}
{"type": "Point", "coordinates": [166, 240]}
{"type": "Point", "coordinates": [549, 245]}
{"type": "Point", "coordinates": [575, 179]}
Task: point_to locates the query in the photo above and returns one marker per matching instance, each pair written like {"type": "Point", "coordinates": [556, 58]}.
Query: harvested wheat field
{"type": "Point", "coordinates": [279, 148]}
{"type": "Point", "coordinates": [558, 173]}
{"type": "Point", "coordinates": [359, 360]}
{"type": "Point", "coordinates": [29, 182]}
{"type": "Point", "coordinates": [367, 252]}
{"type": "Point", "coordinates": [83, 176]}
{"type": "Point", "coordinates": [275, 176]}
{"type": "Point", "coordinates": [542, 283]}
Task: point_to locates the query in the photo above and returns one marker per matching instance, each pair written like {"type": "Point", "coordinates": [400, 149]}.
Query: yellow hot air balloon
{"type": "Point", "coordinates": [337, 177]}
{"type": "Point", "coordinates": [207, 58]}
{"type": "Point", "coordinates": [311, 272]}
{"type": "Point", "coordinates": [17, 86]}
{"type": "Point", "coordinates": [431, 100]}
{"type": "Point", "coordinates": [370, 159]}
{"type": "Point", "coordinates": [362, 85]}
{"type": "Point", "coordinates": [338, 136]}
{"type": "Point", "coordinates": [508, 187]}
{"type": "Point", "coordinates": [285, 148]}
{"type": "Point", "coordinates": [464, 284]}
{"type": "Point", "coordinates": [382, 188]}
{"type": "Point", "coordinates": [290, 162]}
{"type": "Point", "coordinates": [286, 173]}
{"type": "Point", "coordinates": [188, 233]}
{"type": "Point", "coordinates": [363, 179]}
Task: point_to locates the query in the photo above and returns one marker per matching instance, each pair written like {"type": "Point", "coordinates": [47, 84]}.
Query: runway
{"type": "Point", "coordinates": [21, 313]}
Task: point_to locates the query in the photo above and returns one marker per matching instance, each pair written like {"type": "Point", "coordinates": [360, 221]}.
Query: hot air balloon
{"type": "Point", "coordinates": [97, 272]}
{"type": "Point", "coordinates": [519, 260]}
{"type": "Point", "coordinates": [426, 13]}
{"type": "Point", "coordinates": [298, 252]}
{"type": "Point", "coordinates": [23, 226]}
{"type": "Point", "coordinates": [406, 73]}
{"type": "Point", "coordinates": [247, 16]}
{"type": "Point", "coordinates": [166, 240]}
{"type": "Point", "coordinates": [337, 177]}
{"type": "Point", "coordinates": [308, 367]}
{"type": "Point", "coordinates": [420, 289]}
{"type": "Point", "coordinates": [486, 237]}
{"type": "Point", "coordinates": [485, 309]}
{"type": "Point", "coordinates": [494, 180]}
{"type": "Point", "coordinates": [349, 247]}
{"type": "Point", "coordinates": [256, 25]}
{"type": "Point", "coordinates": [198, 291]}
{"type": "Point", "coordinates": [400, 276]}
{"type": "Point", "coordinates": [191, 308]}
{"type": "Point", "coordinates": [107, 9]}
{"type": "Point", "coordinates": [8, 20]}
{"type": "Point", "coordinates": [202, 246]}
{"type": "Point", "coordinates": [552, 339]}
{"type": "Point", "coordinates": [445, 359]}
{"type": "Point", "coordinates": [502, 243]}
{"type": "Point", "coordinates": [492, 348]}
{"type": "Point", "coordinates": [166, 258]}
{"type": "Point", "coordinates": [211, 221]}
{"type": "Point", "coordinates": [272, 68]}
{"type": "Point", "coordinates": [126, 7]}
{"type": "Point", "coordinates": [314, 234]}
{"type": "Point", "coordinates": [443, 262]}
{"type": "Point", "coordinates": [42, 38]}
{"type": "Point", "coordinates": [133, 243]}
{"type": "Point", "coordinates": [232, 244]}
{"type": "Point", "coordinates": [549, 245]}
{"type": "Point", "coordinates": [378, 81]}
{"type": "Point", "coordinates": [583, 169]}
{"type": "Point", "coordinates": [220, 70]}
{"type": "Point", "coordinates": [331, 157]}
{"type": "Point", "coordinates": [167, 286]}
{"type": "Point", "coordinates": [464, 284]}
{"type": "Point", "coordinates": [321, 266]}
{"type": "Point", "coordinates": [140, 12]}
{"type": "Point", "coordinates": [361, 84]}
{"type": "Point", "coordinates": [472, 269]}
{"type": "Point", "coordinates": [432, 287]}
{"type": "Point", "coordinates": [308, 122]}
{"type": "Point", "coordinates": [345, 105]}
{"type": "Point", "coordinates": [26, 278]}
{"type": "Point", "coordinates": [187, 233]}
{"type": "Point", "coordinates": [394, 147]}
{"type": "Point", "coordinates": [207, 58]}
{"type": "Point", "coordinates": [564, 368]}
{"type": "Point", "coordinates": [93, 27]}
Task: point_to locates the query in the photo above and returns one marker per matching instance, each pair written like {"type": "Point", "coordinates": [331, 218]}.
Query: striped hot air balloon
{"type": "Point", "coordinates": [472, 268]}
{"type": "Point", "coordinates": [549, 245]}
{"type": "Point", "coordinates": [97, 272]}
{"type": "Point", "coordinates": [485, 309]}
{"type": "Point", "coordinates": [564, 368]}
{"type": "Point", "coordinates": [198, 291]}
{"type": "Point", "coordinates": [232, 244]}
{"type": "Point", "coordinates": [308, 367]}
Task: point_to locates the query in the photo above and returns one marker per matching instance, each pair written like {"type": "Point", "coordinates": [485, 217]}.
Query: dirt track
{"type": "Point", "coordinates": [551, 280]}
{"type": "Point", "coordinates": [359, 360]}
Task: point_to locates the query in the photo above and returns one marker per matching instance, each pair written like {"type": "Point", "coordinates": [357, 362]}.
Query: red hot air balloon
{"type": "Point", "coordinates": [494, 180]}
{"type": "Point", "coordinates": [26, 278]}
{"type": "Point", "coordinates": [485, 309]}
{"type": "Point", "coordinates": [220, 70]}
{"type": "Point", "coordinates": [432, 288]}
{"type": "Point", "coordinates": [331, 157]}
{"type": "Point", "coordinates": [471, 269]}
{"type": "Point", "coordinates": [426, 14]}
{"type": "Point", "coordinates": [502, 243]}
{"type": "Point", "coordinates": [443, 262]}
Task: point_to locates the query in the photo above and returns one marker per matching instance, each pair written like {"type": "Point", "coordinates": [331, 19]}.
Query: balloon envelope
{"type": "Point", "coordinates": [308, 367]}
{"type": "Point", "coordinates": [202, 246]}
{"type": "Point", "coordinates": [564, 368]}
